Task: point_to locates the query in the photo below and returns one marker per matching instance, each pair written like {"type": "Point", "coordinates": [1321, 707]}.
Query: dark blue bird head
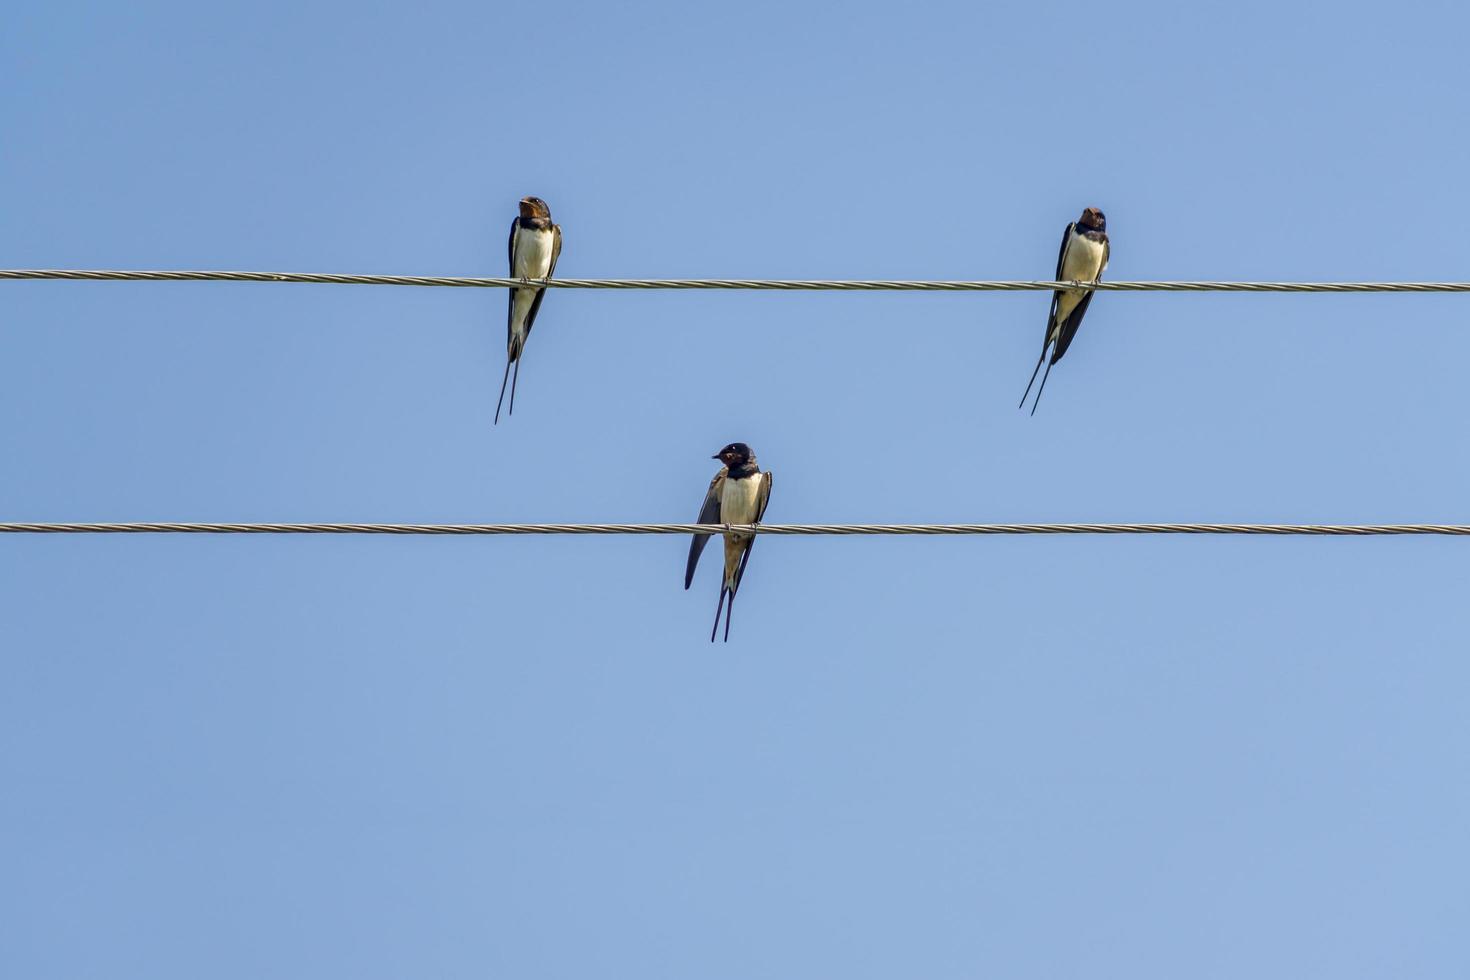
{"type": "Point", "coordinates": [534, 207]}
{"type": "Point", "coordinates": [735, 455]}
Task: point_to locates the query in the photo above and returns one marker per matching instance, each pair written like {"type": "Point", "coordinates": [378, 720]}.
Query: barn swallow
{"type": "Point", "coordinates": [1083, 258]}
{"type": "Point", "coordinates": [737, 495]}
{"type": "Point", "coordinates": [535, 244]}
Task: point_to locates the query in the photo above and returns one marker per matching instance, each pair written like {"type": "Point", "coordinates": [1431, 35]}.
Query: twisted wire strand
{"type": "Point", "coordinates": [859, 285]}
{"type": "Point", "coordinates": [151, 527]}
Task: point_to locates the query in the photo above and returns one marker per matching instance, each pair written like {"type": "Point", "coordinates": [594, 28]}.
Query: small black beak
{"type": "Point", "coordinates": [715, 456]}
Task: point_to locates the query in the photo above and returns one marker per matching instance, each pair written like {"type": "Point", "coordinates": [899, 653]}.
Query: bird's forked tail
{"type": "Point", "coordinates": [513, 356]}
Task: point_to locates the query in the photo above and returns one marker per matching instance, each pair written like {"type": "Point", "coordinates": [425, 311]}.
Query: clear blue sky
{"type": "Point", "coordinates": [1029, 757]}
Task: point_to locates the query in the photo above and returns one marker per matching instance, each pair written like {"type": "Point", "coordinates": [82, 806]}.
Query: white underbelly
{"type": "Point", "coordinates": [532, 255]}
{"type": "Point", "coordinates": [1083, 261]}
{"type": "Point", "coordinates": [739, 502]}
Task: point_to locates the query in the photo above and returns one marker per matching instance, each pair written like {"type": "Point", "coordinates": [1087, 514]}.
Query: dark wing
{"type": "Point", "coordinates": [708, 514]}
{"type": "Point", "coordinates": [555, 254]}
{"type": "Point", "coordinates": [1069, 329]}
{"type": "Point", "coordinates": [763, 497]}
{"type": "Point", "coordinates": [1057, 294]}
{"type": "Point", "coordinates": [510, 258]}
{"type": "Point", "coordinates": [1062, 252]}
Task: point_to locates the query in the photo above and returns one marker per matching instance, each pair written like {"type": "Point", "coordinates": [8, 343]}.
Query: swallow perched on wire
{"type": "Point", "coordinates": [1083, 258]}
{"type": "Point", "coordinates": [737, 495]}
{"type": "Point", "coordinates": [535, 244]}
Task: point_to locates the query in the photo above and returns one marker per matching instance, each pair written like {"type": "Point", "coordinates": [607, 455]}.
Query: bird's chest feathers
{"type": "Point", "coordinates": [533, 254]}
{"type": "Point", "coordinates": [738, 502]}
{"type": "Point", "coordinates": [1084, 261]}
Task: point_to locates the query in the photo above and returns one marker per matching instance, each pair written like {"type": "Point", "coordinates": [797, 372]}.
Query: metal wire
{"type": "Point", "coordinates": [147, 527]}
{"type": "Point", "coordinates": [872, 285]}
